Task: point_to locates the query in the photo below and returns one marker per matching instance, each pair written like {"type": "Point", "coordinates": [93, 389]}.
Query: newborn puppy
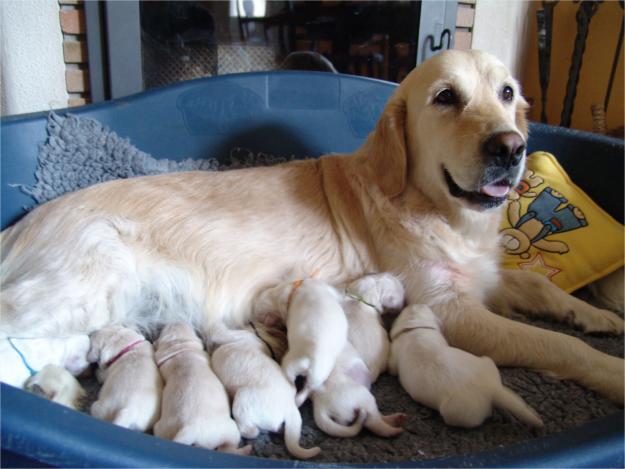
{"type": "Point", "coordinates": [461, 386]}
{"type": "Point", "coordinates": [131, 392]}
{"type": "Point", "coordinates": [58, 385]}
{"type": "Point", "coordinates": [195, 405]}
{"type": "Point", "coordinates": [22, 358]}
{"type": "Point", "coordinates": [262, 397]}
{"type": "Point", "coordinates": [316, 328]}
{"type": "Point", "coordinates": [365, 299]}
{"type": "Point", "coordinates": [345, 398]}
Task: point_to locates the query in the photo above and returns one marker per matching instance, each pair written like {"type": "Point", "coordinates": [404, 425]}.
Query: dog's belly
{"type": "Point", "coordinates": [194, 246]}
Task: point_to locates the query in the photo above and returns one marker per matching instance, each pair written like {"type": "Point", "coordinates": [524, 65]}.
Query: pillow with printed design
{"type": "Point", "coordinates": [553, 228]}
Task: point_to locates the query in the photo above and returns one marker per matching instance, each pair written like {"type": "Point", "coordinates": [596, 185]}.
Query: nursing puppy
{"type": "Point", "coordinates": [345, 398]}
{"type": "Point", "coordinates": [463, 387]}
{"type": "Point", "coordinates": [366, 298]}
{"type": "Point", "coordinates": [58, 385]}
{"type": "Point", "coordinates": [22, 358]}
{"type": "Point", "coordinates": [195, 407]}
{"type": "Point", "coordinates": [422, 198]}
{"type": "Point", "coordinates": [262, 398]}
{"type": "Point", "coordinates": [316, 328]}
{"type": "Point", "coordinates": [131, 391]}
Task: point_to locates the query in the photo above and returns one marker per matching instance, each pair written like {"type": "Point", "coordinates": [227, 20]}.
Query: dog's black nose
{"type": "Point", "coordinates": [505, 147]}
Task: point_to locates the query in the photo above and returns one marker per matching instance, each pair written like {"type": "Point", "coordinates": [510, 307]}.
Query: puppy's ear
{"type": "Point", "coordinates": [387, 149]}
{"type": "Point", "coordinates": [521, 116]}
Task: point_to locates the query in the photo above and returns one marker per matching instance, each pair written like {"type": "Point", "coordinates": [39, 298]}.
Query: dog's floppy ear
{"type": "Point", "coordinates": [521, 117]}
{"type": "Point", "coordinates": [387, 148]}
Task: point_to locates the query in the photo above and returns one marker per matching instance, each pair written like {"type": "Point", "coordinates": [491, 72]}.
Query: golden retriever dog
{"type": "Point", "coordinates": [421, 199]}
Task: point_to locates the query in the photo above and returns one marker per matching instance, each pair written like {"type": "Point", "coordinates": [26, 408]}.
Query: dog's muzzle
{"type": "Point", "coordinates": [504, 153]}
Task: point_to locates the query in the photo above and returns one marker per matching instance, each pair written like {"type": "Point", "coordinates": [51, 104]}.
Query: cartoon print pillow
{"type": "Point", "coordinates": [553, 228]}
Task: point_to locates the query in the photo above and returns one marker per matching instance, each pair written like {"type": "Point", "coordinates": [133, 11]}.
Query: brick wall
{"type": "Point", "coordinates": [72, 18]}
{"type": "Point", "coordinates": [464, 24]}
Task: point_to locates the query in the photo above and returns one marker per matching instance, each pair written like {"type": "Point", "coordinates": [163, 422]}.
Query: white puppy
{"type": "Point", "coordinates": [316, 328]}
{"type": "Point", "coordinates": [195, 408]}
{"type": "Point", "coordinates": [345, 398]}
{"type": "Point", "coordinates": [22, 358]}
{"type": "Point", "coordinates": [58, 385]}
{"type": "Point", "coordinates": [262, 397]}
{"type": "Point", "coordinates": [461, 386]}
{"type": "Point", "coordinates": [365, 299]}
{"type": "Point", "coordinates": [131, 392]}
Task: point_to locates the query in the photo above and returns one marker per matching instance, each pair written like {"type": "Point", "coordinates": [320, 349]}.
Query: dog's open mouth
{"type": "Point", "coordinates": [489, 195]}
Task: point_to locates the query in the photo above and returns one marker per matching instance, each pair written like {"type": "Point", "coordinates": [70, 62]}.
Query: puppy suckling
{"type": "Point", "coordinates": [22, 358]}
{"type": "Point", "coordinates": [195, 408]}
{"type": "Point", "coordinates": [463, 387]}
{"type": "Point", "coordinates": [262, 397]}
{"type": "Point", "coordinates": [345, 398]}
{"type": "Point", "coordinates": [131, 391]}
{"type": "Point", "coordinates": [365, 299]}
{"type": "Point", "coordinates": [316, 328]}
{"type": "Point", "coordinates": [58, 385]}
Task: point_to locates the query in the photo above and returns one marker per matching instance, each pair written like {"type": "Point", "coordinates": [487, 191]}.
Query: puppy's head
{"type": "Point", "coordinates": [108, 341]}
{"type": "Point", "coordinates": [176, 332]}
{"type": "Point", "coordinates": [456, 129]}
{"type": "Point", "coordinates": [384, 291]}
{"type": "Point", "coordinates": [414, 316]}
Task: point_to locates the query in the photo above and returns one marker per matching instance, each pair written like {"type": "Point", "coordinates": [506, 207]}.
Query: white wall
{"type": "Point", "coordinates": [31, 56]}
{"type": "Point", "coordinates": [501, 28]}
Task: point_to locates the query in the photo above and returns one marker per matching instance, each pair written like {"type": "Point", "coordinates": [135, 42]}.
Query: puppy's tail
{"type": "Point", "coordinates": [292, 433]}
{"type": "Point", "coordinates": [329, 426]}
{"type": "Point", "coordinates": [506, 399]}
{"type": "Point", "coordinates": [384, 425]}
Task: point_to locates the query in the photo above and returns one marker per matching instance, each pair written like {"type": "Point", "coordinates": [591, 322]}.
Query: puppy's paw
{"type": "Point", "coordinates": [396, 420]}
{"type": "Point", "coordinates": [58, 385]}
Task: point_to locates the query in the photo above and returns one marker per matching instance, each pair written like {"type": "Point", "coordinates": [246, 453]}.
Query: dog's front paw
{"type": "Point", "coordinates": [598, 321]}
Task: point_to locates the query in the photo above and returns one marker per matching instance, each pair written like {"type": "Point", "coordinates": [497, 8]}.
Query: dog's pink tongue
{"type": "Point", "coordinates": [495, 190]}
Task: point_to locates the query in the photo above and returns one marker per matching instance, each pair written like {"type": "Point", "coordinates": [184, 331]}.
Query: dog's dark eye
{"type": "Point", "coordinates": [446, 97]}
{"type": "Point", "coordinates": [507, 93]}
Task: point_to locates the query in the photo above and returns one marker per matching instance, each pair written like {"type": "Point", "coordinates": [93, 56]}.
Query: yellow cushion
{"type": "Point", "coordinates": [552, 227]}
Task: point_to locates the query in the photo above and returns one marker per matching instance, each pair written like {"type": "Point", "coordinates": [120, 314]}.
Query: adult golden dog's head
{"type": "Point", "coordinates": [456, 130]}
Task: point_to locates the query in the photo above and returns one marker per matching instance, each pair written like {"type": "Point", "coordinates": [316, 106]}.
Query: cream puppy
{"type": "Point", "coordinates": [195, 407]}
{"type": "Point", "coordinates": [22, 358]}
{"type": "Point", "coordinates": [58, 385]}
{"type": "Point", "coordinates": [131, 392]}
{"type": "Point", "coordinates": [345, 397]}
{"type": "Point", "coordinates": [262, 397]}
{"type": "Point", "coordinates": [463, 387]}
{"type": "Point", "coordinates": [365, 299]}
{"type": "Point", "coordinates": [316, 328]}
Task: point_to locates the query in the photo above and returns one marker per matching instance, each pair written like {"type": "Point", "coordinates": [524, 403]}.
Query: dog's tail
{"type": "Point", "coordinates": [292, 433]}
{"type": "Point", "coordinates": [506, 399]}
{"type": "Point", "coordinates": [329, 426]}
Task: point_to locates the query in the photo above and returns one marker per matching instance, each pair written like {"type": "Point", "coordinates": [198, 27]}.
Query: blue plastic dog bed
{"type": "Point", "coordinates": [285, 114]}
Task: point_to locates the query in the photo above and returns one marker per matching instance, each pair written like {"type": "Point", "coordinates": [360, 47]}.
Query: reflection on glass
{"type": "Point", "coordinates": [192, 39]}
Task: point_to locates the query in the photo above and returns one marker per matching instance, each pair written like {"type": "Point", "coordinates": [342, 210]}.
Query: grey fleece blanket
{"type": "Point", "coordinates": [80, 152]}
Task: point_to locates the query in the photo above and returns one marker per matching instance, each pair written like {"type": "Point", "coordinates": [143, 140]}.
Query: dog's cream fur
{"type": "Point", "coordinates": [67, 352]}
{"type": "Point", "coordinates": [57, 384]}
{"type": "Point", "coordinates": [130, 395]}
{"type": "Point", "coordinates": [206, 243]}
{"type": "Point", "coordinates": [262, 398]}
{"type": "Point", "coordinates": [365, 332]}
{"type": "Point", "coordinates": [195, 408]}
{"type": "Point", "coordinates": [461, 386]}
{"type": "Point", "coordinates": [316, 329]}
{"type": "Point", "coordinates": [345, 398]}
